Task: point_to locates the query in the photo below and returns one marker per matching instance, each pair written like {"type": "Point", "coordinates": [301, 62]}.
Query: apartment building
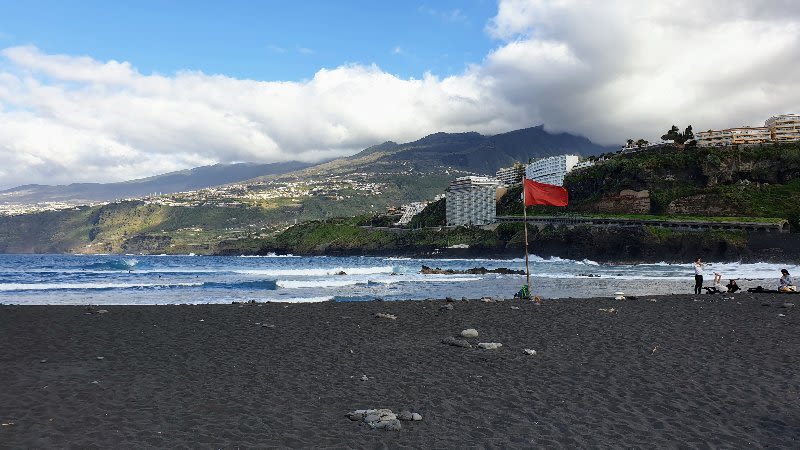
{"type": "Point", "coordinates": [583, 165]}
{"type": "Point", "coordinates": [471, 201]}
{"type": "Point", "coordinates": [784, 128]}
{"type": "Point", "coordinates": [508, 176]}
{"type": "Point", "coordinates": [749, 135]}
{"type": "Point", "coordinates": [551, 170]}
{"type": "Point", "coordinates": [713, 138]}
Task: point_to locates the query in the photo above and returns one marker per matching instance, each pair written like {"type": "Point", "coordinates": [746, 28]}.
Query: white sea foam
{"type": "Point", "coordinates": [87, 286]}
{"type": "Point", "coordinates": [323, 283]}
{"type": "Point", "coordinates": [316, 272]}
{"type": "Point", "coordinates": [300, 299]}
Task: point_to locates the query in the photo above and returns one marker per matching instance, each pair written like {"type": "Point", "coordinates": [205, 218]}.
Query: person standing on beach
{"type": "Point", "coordinates": [698, 276]}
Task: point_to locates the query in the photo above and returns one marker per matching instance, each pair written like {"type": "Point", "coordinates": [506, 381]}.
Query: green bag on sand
{"type": "Point", "coordinates": [523, 293]}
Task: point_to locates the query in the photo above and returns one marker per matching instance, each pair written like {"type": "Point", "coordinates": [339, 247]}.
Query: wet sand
{"type": "Point", "coordinates": [696, 370]}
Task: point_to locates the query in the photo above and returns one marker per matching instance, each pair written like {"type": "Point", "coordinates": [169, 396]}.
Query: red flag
{"type": "Point", "coordinates": [544, 194]}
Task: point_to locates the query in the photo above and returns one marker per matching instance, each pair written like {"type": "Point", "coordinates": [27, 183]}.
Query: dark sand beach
{"type": "Point", "coordinates": [699, 371]}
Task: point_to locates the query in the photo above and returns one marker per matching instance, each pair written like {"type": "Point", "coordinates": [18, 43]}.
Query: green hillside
{"type": "Point", "coordinates": [761, 181]}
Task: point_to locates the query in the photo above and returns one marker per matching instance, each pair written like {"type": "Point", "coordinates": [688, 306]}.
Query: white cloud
{"type": "Point", "coordinates": [607, 70]}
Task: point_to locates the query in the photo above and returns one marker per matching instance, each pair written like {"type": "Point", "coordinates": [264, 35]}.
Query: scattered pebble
{"type": "Point", "coordinates": [781, 315]}
{"type": "Point", "coordinates": [102, 311]}
{"type": "Point", "coordinates": [382, 419]}
{"type": "Point", "coordinates": [202, 320]}
{"type": "Point", "coordinates": [43, 361]}
{"type": "Point", "coordinates": [267, 325]}
{"type": "Point", "coordinates": [529, 351]}
{"type": "Point", "coordinates": [488, 300]}
{"type": "Point", "coordinates": [100, 358]}
{"type": "Point", "coordinates": [490, 345]}
{"type": "Point", "coordinates": [469, 333]}
{"type": "Point", "coordinates": [385, 316]}
{"type": "Point", "coordinates": [456, 342]}
{"type": "Point", "coordinates": [447, 307]}
{"type": "Point", "coordinates": [364, 378]}
{"type": "Point", "coordinates": [7, 424]}
{"type": "Point", "coordinates": [608, 310]}
{"type": "Point", "coordinates": [787, 305]}
{"type": "Point", "coordinates": [515, 307]}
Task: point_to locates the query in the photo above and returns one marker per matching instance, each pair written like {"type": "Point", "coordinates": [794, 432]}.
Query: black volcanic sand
{"type": "Point", "coordinates": [696, 370]}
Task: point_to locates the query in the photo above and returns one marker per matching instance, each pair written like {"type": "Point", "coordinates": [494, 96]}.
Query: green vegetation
{"type": "Point", "coordinates": [706, 183]}
{"type": "Point", "coordinates": [434, 215]}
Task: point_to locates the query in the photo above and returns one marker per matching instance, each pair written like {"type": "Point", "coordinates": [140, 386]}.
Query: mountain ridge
{"type": "Point", "coordinates": [167, 183]}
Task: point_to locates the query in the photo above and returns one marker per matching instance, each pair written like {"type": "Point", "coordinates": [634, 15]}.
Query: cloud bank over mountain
{"type": "Point", "coordinates": [606, 70]}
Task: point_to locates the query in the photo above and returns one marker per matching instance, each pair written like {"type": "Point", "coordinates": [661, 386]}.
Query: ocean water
{"type": "Point", "coordinates": [119, 279]}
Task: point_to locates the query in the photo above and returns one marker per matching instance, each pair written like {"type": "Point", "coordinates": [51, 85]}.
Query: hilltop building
{"type": "Point", "coordinates": [782, 128]}
{"type": "Point", "coordinates": [509, 176]}
{"type": "Point", "coordinates": [412, 209]}
{"type": "Point", "coordinates": [551, 170]}
{"type": "Point", "coordinates": [583, 164]}
{"type": "Point", "coordinates": [471, 201]}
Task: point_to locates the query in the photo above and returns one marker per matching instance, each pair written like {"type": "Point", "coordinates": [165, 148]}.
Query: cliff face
{"type": "Point", "coordinates": [754, 181]}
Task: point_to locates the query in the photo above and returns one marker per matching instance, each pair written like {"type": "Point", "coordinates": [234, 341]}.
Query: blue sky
{"type": "Point", "coordinates": [115, 90]}
{"type": "Point", "coordinates": [264, 40]}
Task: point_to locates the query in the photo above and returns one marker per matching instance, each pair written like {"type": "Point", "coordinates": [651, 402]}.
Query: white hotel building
{"type": "Point", "coordinates": [551, 170]}
{"type": "Point", "coordinates": [471, 201]}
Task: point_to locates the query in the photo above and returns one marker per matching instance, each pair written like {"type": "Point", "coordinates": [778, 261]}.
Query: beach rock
{"type": "Point", "coordinates": [267, 325]}
{"type": "Point", "coordinates": [529, 351]}
{"type": "Point", "coordinates": [489, 345]}
{"type": "Point", "coordinates": [43, 361]}
{"type": "Point", "coordinates": [102, 311]}
{"type": "Point", "coordinates": [100, 358]}
{"type": "Point", "coordinates": [386, 316]}
{"type": "Point", "coordinates": [469, 333]}
{"type": "Point", "coordinates": [515, 307]}
{"type": "Point", "coordinates": [405, 415]}
{"type": "Point", "coordinates": [474, 271]}
{"type": "Point", "coordinates": [456, 342]}
{"type": "Point", "coordinates": [787, 305]}
{"type": "Point", "coordinates": [416, 417]}
{"type": "Point", "coordinates": [357, 415]}
{"type": "Point", "coordinates": [389, 425]}
{"type": "Point", "coordinates": [487, 300]}
{"type": "Point", "coordinates": [449, 299]}
{"type": "Point", "coordinates": [364, 378]}
{"type": "Point", "coordinates": [608, 310]}
{"type": "Point", "coordinates": [341, 272]}
{"type": "Point", "coordinates": [447, 307]}
{"type": "Point", "coordinates": [464, 299]}
{"type": "Point", "coordinates": [372, 417]}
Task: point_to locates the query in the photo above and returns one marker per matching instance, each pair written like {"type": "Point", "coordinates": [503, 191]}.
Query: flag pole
{"type": "Point", "coordinates": [525, 225]}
